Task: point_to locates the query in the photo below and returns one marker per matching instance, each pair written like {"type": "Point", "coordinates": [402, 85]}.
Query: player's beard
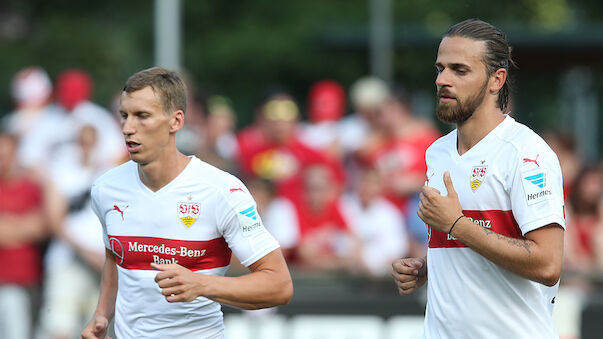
{"type": "Point", "coordinates": [461, 110]}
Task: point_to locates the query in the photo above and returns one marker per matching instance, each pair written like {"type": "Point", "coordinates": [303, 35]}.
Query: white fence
{"type": "Point", "coordinates": [275, 326]}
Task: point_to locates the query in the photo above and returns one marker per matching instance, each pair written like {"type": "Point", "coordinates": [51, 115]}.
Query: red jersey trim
{"type": "Point", "coordinates": [501, 222]}
{"type": "Point", "coordinates": [137, 253]}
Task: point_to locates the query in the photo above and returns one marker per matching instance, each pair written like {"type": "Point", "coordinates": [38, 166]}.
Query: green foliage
{"type": "Point", "coordinates": [110, 39]}
{"type": "Point", "coordinates": [239, 48]}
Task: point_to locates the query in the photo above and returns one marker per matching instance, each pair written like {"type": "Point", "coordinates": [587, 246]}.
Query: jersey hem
{"type": "Point", "coordinates": [259, 255]}
{"type": "Point", "coordinates": [542, 222]}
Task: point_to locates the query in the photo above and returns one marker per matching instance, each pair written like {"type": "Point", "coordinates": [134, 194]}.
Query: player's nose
{"type": "Point", "coordinates": [442, 79]}
{"type": "Point", "coordinates": [127, 126]}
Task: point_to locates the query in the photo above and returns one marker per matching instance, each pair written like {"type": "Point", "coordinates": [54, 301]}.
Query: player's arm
{"type": "Point", "coordinates": [537, 257]}
{"type": "Point", "coordinates": [268, 284]}
{"type": "Point", "coordinates": [97, 327]}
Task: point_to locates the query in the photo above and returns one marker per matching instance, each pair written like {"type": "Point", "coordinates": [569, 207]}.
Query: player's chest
{"type": "Point", "coordinates": [170, 215]}
{"type": "Point", "coordinates": [481, 180]}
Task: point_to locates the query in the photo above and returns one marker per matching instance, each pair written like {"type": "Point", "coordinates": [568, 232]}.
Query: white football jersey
{"type": "Point", "coordinates": [195, 221]}
{"type": "Point", "coordinates": [510, 182]}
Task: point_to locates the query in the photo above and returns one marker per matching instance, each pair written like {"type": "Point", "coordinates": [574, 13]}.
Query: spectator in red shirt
{"type": "Point", "coordinates": [326, 106]}
{"type": "Point", "coordinates": [21, 230]}
{"type": "Point", "coordinates": [584, 241]}
{"type": "Point", "coordinates": [564, 145]}
{"type": "Point", "coordinates": [277, 154]}
{"type": "Point", "coordinates": [326, 243]}
{"type": "Point", "coordinates": [397, 148]}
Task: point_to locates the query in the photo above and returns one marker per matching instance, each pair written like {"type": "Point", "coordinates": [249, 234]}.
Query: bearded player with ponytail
{"type": "Point", "coordinates": [495, 220]}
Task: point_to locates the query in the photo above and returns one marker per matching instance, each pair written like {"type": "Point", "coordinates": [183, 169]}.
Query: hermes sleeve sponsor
{"type": "Point", "coordinates": [139, 252]}
{"type": "Point", "coordinates": [535, 185]}
{"type": "Point", "coordinates": [249, 221]}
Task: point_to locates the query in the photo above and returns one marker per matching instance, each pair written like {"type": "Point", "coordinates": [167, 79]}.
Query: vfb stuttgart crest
{"type": "Point", "coordinates": [188, 212]}
{"type": "Point", "coordinates": [478, 174]}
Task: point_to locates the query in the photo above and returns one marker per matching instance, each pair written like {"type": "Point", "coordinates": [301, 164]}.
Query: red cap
{"type": "Point", "coordinates": [326, 101]}
{"type": "Point", "coordinates": [73, 86]}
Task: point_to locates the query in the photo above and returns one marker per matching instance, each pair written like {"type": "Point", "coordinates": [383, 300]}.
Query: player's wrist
{"type": "Point", "coordinates": [206, 286]}
{"type": "Point", "coordinates": [103, 313]}
{"type": "Point", "coordinates": [454, 224]}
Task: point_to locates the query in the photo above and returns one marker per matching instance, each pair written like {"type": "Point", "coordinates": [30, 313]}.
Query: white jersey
{"type": "Point", "coordinates": [195, 221]}
{"type": "Point", "coordinates": [510, 183]}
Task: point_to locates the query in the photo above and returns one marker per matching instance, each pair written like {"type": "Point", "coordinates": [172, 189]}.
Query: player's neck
{"type": "Point", "coordinates": [161, 172]}
{"type": "Point", "coordinates": [480, 124]}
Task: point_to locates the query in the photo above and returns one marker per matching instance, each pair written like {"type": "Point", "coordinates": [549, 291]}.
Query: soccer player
{"type": "Point", "coordinates": [170, 222]}
{"type": "Point", "coordinates": [493, 203]}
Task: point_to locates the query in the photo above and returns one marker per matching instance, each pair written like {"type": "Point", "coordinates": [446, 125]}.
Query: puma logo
{"type": "Point", "coordinates": [535, 161]}
{"type": "Point", "coordinates": [115, 207]}
{"type": "Point", "coordinates": [236, 189]}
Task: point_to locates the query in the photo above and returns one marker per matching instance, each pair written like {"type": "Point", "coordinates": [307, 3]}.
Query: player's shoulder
{"type": "Point", "coordinates": [211, 176]}
{"type": "Point", "coordinates": [443, 142]}
{"type": "Point", "coordinates": [229, 190]}
{"type": "Point", "coordinates": [523, 139]}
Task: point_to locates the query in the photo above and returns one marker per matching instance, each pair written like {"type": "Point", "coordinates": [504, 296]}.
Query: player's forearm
{"type": "Point", "coordinates": [534, 260]}
{"type": "Point", "coordinates": [108, 288]}
{"type": "Point", "coordinates": [259, 289]}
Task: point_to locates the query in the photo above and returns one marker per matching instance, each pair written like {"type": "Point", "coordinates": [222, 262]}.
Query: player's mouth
{"type": "Point", "coordinates": [445, 96]}
{"type": "Point", "coordinates": [132, 146]}
{"type": "Point", "coordinates": [445, 99]}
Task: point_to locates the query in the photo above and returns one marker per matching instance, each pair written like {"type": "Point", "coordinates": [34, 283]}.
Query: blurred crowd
{"type": "Point", "coordinates": [338, 189]}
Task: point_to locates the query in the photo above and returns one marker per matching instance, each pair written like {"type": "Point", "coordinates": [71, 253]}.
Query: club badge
{"type": "Point", "coordinates": [478, 174]}
{"type": "Point", "coordinates": [188, 212]}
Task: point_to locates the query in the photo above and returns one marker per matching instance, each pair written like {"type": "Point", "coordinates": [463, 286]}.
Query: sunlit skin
{"type": "Point", "coordinates": [461, 78]}
{"type": "Point", "coordinates": [150, 136]}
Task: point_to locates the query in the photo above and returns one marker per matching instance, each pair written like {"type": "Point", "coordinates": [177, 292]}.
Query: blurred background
{"type": "Point", "coordinates": [324, 109]}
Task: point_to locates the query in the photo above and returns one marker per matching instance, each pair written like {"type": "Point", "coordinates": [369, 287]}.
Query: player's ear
{"type": "Point", "coordinates": [497, 80]}
{"type": "Point", "coordinates": [177, 121]}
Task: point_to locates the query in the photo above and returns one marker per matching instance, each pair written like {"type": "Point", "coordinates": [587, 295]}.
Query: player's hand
{"type": "Point", "coordinates": [439, 211]}
{"type": "Point", "coordinates": [178, 283]}
{"type": "Point", "coordinates": [409, 274]}
{"type": "Point", "coordinates": [96, 328]}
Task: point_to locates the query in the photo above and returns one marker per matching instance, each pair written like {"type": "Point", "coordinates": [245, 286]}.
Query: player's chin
{"type": "Point", "coordinates": [137, 157]}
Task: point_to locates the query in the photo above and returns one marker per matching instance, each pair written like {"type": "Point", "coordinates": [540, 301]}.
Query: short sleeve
{"type": "Point", "coordinates": [536, 189]}
{"type": "Point", "coordinates": [96, 207]}
{"type": "Point", "coordinates": [241, 225]}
